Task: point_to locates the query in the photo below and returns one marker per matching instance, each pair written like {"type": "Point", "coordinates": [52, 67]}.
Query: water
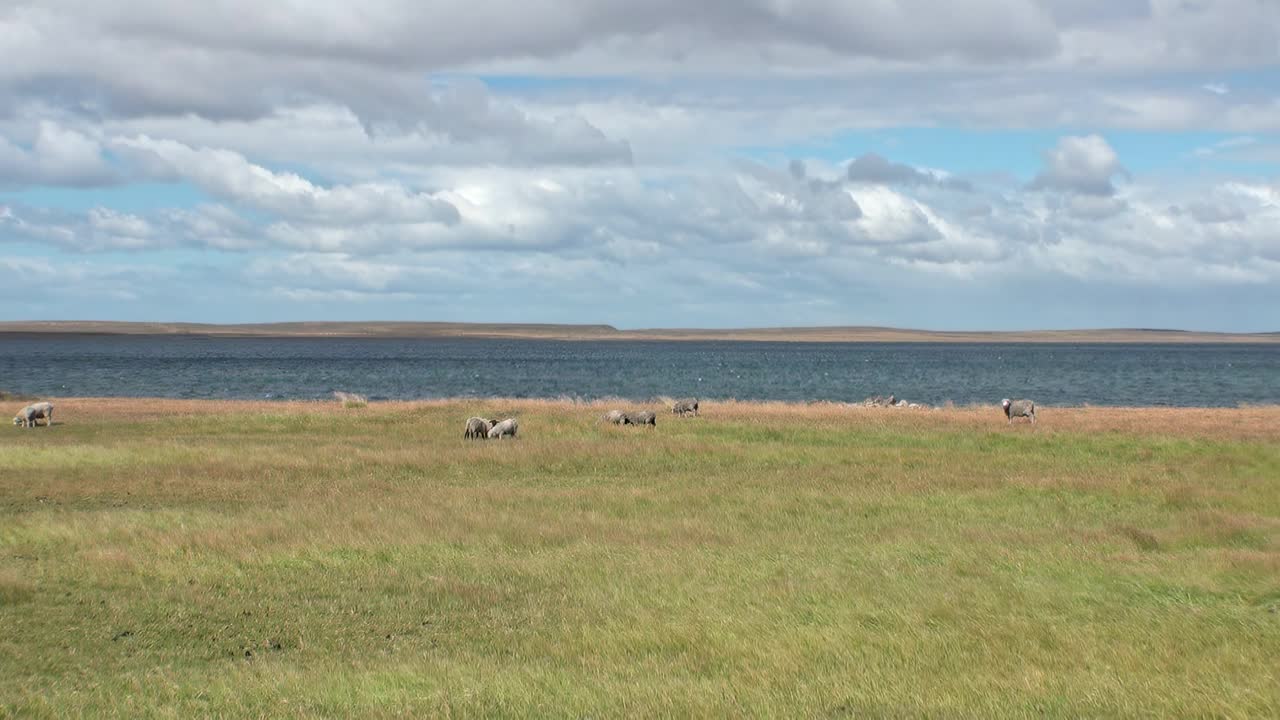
{"type": "Point", "coordinates": [305, 368]}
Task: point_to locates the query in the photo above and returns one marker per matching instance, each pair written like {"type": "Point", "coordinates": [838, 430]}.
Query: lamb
{"type": "Point", "coordinates": [1019, 408]}
{"type": "Point", "coordinates": [644, 417]}
{"type": "Point", "coordinates": [617, 417]}
{"type": "Point", "coordinates": [685, 407]}
{"type": "Point", "coordinates": [477, 428]}
{"type": "Point", "coordinates": [28, 415]}
{"type": "Point", "coordinates": [506, 428]}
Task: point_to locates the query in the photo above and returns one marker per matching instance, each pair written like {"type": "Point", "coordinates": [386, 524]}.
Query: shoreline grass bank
{"type": "Point", "coordinates": [1245, 422]}
{"type": "Point", "coordinates": [246, 559]}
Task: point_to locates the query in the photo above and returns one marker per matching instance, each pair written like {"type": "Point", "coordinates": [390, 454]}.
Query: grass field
{"type": "Point", "coordinates": [193, 559]}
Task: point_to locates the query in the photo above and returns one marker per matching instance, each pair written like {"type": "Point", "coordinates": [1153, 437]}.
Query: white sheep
{"type": "Point", "coordinates": [506, 428]}
{"type": "Point", "coordinates": [1019, 408]}
{"type": "Point", "coordinates": [28, 415]}
{"type": "Point", "coordinates": [477, 428]}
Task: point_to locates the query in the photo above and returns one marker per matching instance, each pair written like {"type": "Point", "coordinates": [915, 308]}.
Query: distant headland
{"type": "Point", "coordinates": [535, 331]}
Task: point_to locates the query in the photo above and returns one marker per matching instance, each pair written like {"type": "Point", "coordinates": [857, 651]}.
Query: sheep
{"type": "Point", "coordinates": [617, 417]}
{"type": "Point", "coordinates": [1019, 408]}
{"type": "Point", "coordinates": [685, 407]}
{"type": "Point", "coordinates": [644, 417]}
{"type": "Point", "coordinates": [477, 428]}
{"type": "Point", "coordinates": [503, 429]}
{"type": "Point", "coordinates": [28, 415]}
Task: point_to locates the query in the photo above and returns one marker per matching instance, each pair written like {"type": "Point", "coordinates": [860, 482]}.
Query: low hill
{"type": "Point", "coordinates": [608, 332]}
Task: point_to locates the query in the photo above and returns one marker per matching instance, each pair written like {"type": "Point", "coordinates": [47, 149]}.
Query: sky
{"type": "Point", "coordinates": [992, 164]}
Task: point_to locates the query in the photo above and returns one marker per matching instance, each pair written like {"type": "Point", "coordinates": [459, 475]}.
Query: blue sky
{"type": "Point", "coordinates": [1036, 164]}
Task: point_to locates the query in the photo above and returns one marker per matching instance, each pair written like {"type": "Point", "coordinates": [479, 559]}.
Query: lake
{"type": "Point", "coordinates": [933, 373]}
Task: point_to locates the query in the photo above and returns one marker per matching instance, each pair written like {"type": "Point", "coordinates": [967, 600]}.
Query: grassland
{"type": "Point", "coordinates": [196, 559]}
{"type": "Point", "coordinates": [533, 331]}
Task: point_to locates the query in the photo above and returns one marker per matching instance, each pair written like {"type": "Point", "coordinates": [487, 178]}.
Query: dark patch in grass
{"type": "Point", "coordinates": [15, 592]}
{"type": "Point", "coordinates": [1165, 593]}
{"type": "Point", "coordinates": [1144, 540]}
{"type": "Point", "coordinates": [1269, 600]}
{"type": "Point", "coordinates": [864, 709]}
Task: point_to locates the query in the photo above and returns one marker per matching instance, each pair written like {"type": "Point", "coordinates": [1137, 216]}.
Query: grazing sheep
{"type": "Point", "coordinates": [1019, 408]}
{"type": "Point", "coordinates": [28, 415]}
{"type": "Point", "coordinates": [503, 429]}
{"type": "Point", "coordinates": [477, 428]}
{"type": "Point", "coordinates": [617, 417]}
{"type": "Point", "coordinates": [644, 417]}
{"type": "Point", "coordinates": [685, 407]}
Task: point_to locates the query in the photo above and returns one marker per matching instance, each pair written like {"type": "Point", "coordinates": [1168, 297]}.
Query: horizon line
{"type": "Point", "coordinates": [588, 331]}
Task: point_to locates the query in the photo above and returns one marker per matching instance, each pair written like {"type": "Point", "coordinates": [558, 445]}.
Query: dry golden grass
{"type": "Point", "coordinates": [1255, 422]}
{"type": "Point", "coordinates": [170, 558]}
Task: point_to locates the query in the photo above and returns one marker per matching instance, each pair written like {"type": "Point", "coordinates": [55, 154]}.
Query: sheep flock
{"type": "Point", "coordinates": [481, 428]}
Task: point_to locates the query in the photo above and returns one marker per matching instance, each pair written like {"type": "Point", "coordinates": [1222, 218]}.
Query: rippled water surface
{"type": "Point", "coordinates": [302, 368]}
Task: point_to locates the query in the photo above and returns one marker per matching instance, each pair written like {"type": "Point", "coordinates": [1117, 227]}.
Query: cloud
{"type": "Point", "coordinates": [1220, 31]}
{"type": "Point", "coordinates": [592, 156]}
{"type": "Point", "coordinates": [892, 218]}
{"type": "Point", "coordinates": [389, 33]}
{"type": "Point", "coordinates": [752, 237]}
{"type": "Point", "coordinates": [148, 58]}
{"type": "Point", "coordinates": [1080, 164]}
{"type": "Point", "coordinates": [467, 113]}
{"type": "Point", "coordinates": [872, 168]}
{"type": "Point", "coordinates": [101, 229]}
{"type": "Point", "coordinates": [324, 272]}
{"type": "Point", "coordinates": [750, 218]}
{"type": "Point", "coordinates": [58, 156]}
{"type": "Point", "coordinates": [37, 281]}
{"type": "Point", "coordinates": [1227, 146]}
{"type": "Point", "coordinates": [228, 175]}
{"type": "Point", "coordinates": [1208, 212]}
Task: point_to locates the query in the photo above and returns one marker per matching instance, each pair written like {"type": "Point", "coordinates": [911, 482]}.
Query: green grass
{"type": "Point", "coordinates": [372, 563]}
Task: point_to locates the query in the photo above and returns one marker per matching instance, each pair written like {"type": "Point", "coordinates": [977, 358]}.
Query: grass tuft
{"type": "Point", "coordinates": [351, 400]}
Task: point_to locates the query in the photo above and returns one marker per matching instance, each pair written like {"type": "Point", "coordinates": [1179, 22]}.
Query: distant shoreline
{"type": "Point", "coordinates": [515, 331]}
{"type": "Point", "coordinates": [710, 406]}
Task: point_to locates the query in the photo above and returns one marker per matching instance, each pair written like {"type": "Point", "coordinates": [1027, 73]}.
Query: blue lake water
{"type": "Point", "coordinates": [304, 368]}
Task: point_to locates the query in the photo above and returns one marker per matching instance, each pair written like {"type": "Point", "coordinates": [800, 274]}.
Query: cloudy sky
{"type": "Point", "coordinates": [1012, 164]}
